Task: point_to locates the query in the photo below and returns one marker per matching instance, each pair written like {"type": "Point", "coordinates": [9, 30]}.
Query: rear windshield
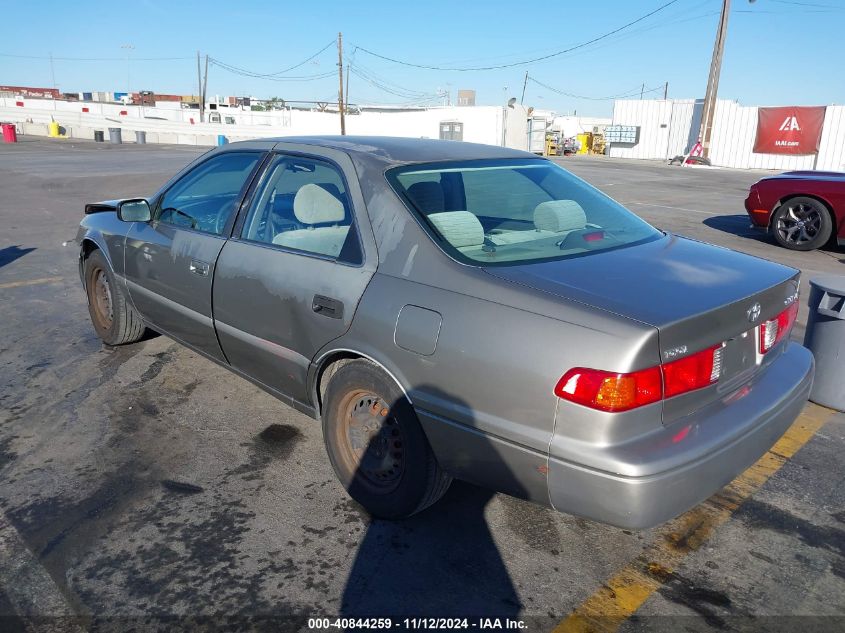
{"type": "Point", "coordinates": [506, 212]}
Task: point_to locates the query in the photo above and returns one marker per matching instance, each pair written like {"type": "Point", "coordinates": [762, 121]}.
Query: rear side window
{"type": "Point", "coordinates": [302, 204]}
{"type": "Point", "coordinates": [507, 212]}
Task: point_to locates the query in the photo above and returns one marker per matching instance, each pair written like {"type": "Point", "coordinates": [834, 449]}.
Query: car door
{"type": "Point", "coordinates": [170, 260]}
{"type": "Point", "coordinates": [290, 279]}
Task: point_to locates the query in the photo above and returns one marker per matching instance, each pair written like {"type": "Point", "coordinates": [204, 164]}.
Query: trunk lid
{"type": "Point", "coordinates": [695, 294]}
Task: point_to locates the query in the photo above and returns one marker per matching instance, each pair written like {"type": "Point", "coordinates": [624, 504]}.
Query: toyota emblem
{"type": "Point", "coordinates": [754, 312]}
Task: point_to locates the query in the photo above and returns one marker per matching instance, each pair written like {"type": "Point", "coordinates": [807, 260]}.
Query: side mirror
{"type": "Point", "coordinates": [135, 210]}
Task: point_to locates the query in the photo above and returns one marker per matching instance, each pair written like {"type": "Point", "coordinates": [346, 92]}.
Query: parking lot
{"type": "Point", "coordinates": [146, 482]}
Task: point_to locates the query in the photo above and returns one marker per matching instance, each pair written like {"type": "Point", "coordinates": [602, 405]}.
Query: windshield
{"type": "Point", "coordinates": [506, 212]}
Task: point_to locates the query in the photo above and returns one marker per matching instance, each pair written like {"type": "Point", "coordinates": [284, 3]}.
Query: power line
{"type": "Point", "coordinates": [236, 71]}
{"type": "Point", "coordinates": [527, 61]}
{"type": "Point", "coordinates": [628, 93]}
{"type": "Point", "coordinates": [404, 93]}
{"type": "Point", "coordinates": [373, 78]}
{"type": "Point", "coordinates": [95, 59]}
{"type": "Point", "coordinates": [810, 4]}
{"type": "Point", "coordinates": [251, 73]}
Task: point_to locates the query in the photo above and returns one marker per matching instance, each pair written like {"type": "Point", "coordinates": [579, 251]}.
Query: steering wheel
{"type": "Point", "coordinates": [175, 211]}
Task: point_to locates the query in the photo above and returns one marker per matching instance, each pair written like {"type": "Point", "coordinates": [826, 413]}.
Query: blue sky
{"type": "Point", "coordinates": [779, 52]}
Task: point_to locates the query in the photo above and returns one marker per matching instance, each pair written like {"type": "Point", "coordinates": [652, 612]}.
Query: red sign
{"type": "Point", "coordinates": [37, 93]}
{"type": "Point", "coordinates": [789, 130]}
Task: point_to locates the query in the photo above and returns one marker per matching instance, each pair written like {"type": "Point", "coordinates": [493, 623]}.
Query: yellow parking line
{"type": "Point", "coordinates": [29, 282]}
{"type": "Point", "coordinates": [624, 593]}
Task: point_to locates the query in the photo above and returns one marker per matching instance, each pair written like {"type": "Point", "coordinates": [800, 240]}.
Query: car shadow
{"type": "Point", "coordinates": [12, 253]}
{"type": "Point", "coordinates": [738, 225]}
{"type": "Point", "coordinates": [442, 562]}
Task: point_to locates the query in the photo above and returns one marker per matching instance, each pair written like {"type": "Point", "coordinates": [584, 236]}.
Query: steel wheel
{"type": "Point", "coordinates": [102, 299]}
{"type": "Point", "coordinates": [376, 444]}
{"type": "Point", "coordinates": [114, 320]}
{"type": "Point", "coordinates": [372, 442]}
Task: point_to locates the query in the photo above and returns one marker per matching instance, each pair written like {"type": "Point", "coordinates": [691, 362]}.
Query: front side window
{"type": "Point", "coordinates": [302, 204]}
{"type": "Point", "coordinates": [205, 198]}
{"type": "Point", "coordinates": [507, 212]}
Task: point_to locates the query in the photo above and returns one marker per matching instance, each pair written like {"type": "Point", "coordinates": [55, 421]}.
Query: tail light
{"type": "Point", "coordinates": [774, 331]}
{"type": "Point", "coordinates": [607, 391]}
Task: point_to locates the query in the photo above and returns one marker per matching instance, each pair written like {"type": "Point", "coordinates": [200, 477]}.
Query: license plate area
{"type": "Point", "coordinates": [740, 360]}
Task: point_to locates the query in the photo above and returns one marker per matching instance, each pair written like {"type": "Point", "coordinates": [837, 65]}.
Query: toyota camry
{"type": "Point", "coordinates": [452, 310]}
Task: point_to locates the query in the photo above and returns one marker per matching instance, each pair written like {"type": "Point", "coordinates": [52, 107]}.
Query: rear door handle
{"type": "Point", "coordinates": [198, 268]}
{"type": "Point", "coordinates": [327, 306]}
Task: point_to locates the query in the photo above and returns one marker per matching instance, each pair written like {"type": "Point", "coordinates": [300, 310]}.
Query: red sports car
{"type": "Point", "coordinates": [804, 210]}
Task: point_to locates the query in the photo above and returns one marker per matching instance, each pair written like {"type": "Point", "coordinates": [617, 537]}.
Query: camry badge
{"type": "Point", "coordinates": [754, 312]}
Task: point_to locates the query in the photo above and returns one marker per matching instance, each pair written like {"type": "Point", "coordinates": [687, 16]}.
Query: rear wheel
{"type": "Point", "coordinates": [802, 224]}
{"type": "Point", "coordinates": [376, 444]}
{"type": "Point", "coordinates": [114, 319]}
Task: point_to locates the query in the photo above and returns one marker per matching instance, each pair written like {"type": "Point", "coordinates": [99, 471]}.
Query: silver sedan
{"type": "Point", "coordinates": [449, 310]}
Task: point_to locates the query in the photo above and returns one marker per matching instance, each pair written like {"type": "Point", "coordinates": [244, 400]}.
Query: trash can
{"type": "Point", "coordinates": [221, 139]}
{"type": "Point", "coordinates": [825, 337]}
{"type": "Point", "coordinates": [98, 136]}
{"type": "Point", "coordinates": [140, 137]}
{"type": "Point", "coordinates": [10, 135]}
{"type": "Point", "coordinates": [115, 135]}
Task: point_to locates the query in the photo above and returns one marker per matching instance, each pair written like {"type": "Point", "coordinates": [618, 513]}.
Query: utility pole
{"type": "Point", "coordinates": [524, 84]}
{"type": "Point", "coordinates": [52, 71]}
{"type": "Point", "coordinates": [199, 87]}
{"type": "Point", "coordinates": [204, 86]}
{"type": "Point", "coordinates": [666, 91]}
{"type": "Point", "coordinates": [346, 95]}
{"type": "Point", "coordinates": [340, 81]}
{"type": "Point", "coordinates": [642, 90]}
{"type": "Point", "coordinates": [709, 109]}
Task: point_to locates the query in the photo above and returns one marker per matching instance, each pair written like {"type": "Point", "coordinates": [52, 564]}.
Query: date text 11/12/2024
{"type": "Point", "coordinates": [415, 623]}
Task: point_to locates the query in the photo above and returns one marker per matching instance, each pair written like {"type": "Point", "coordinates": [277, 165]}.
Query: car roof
{"type": "Point", "coordinates": [399, 150]}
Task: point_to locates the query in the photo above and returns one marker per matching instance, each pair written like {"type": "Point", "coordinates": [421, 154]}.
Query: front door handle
{"type": "Point", "coordinates": [198, 268]}
{"type": "Point", "coordinates": [327, 306]}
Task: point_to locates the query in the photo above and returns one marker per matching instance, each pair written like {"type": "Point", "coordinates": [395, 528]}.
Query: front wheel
{"type": "Point", "coordinates": [376, 444]}
{"type": "Point", "coordinates": [802, 224]}
{"type": "Point", "coordinates": [114, 319]}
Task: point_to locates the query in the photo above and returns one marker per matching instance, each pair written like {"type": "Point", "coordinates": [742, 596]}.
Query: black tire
{"type": "Point", "coordinates": [802, 224]}
{"type": "Point", "coordinates": [114, 318]}
{"type": "Point", "coordinates": [376, 445]}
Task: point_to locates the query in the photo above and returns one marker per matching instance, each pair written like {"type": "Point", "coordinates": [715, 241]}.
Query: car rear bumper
{"type": "Point", "coordinates": [750, 421]}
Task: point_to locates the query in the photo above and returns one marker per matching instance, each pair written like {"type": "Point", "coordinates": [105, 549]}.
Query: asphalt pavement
{"type": "Point", "coordinates": [145, 486]}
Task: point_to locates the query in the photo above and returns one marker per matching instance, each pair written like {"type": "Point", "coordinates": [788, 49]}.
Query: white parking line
{"type": "Point", "coordinates": [666, 206]}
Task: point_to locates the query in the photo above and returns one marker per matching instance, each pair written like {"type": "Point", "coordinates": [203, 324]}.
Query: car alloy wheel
{"type": "Point", "coordinates": [800, 224]}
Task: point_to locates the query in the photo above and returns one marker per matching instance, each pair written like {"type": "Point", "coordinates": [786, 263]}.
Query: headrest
{"type": "Point", "coordinates": [428, 196]}
{"type": "Point", "coordinates": [559, 215]}
{"type": "Point", "coordinates": [459, 228]}
{"type": "Point", "coordinates": [313, 205]}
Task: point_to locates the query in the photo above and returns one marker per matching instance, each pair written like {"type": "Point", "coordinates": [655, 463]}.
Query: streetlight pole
{"type": "Point", "coordinates": [129, 48]}
{"type": "Point", "coordinates": [709, 110]}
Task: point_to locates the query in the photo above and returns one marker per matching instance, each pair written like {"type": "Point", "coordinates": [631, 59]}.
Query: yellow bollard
{"type": "Point", "coordinates": [53, 130]}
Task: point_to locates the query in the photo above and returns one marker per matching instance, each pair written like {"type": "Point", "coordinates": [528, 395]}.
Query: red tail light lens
{"type": "Point", "coordinates": [692, 372]}
{"type": "Point", "coordinates": [607, 391]}
{"type": "Point", "coordinates": [774, 331]}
